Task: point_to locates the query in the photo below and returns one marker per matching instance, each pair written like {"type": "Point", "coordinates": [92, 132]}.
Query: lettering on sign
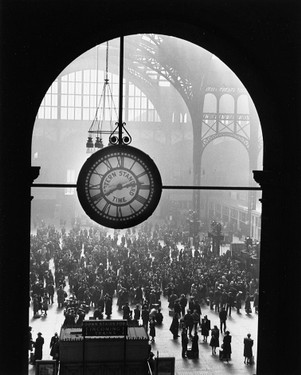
{"type": "Point", "coordinates": [104, 328]}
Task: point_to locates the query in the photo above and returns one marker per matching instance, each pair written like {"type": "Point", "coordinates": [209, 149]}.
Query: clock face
{"type": "Point", "coordinates": [119, 186]}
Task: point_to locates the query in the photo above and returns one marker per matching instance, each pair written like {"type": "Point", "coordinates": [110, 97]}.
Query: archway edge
{"type": "Point", "coordinates": [203, 27]}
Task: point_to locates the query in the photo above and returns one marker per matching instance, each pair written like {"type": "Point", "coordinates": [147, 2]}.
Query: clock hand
{"type": "Point", "coordinates": [113, 188]}
{"type": "Point", "coordinates": [127, 184]}
{"type": "Point", "coordinates": [133, 183]}
{"type": "Point", "coordinates": [121, 186]}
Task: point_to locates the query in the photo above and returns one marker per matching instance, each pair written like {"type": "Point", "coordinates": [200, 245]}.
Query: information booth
{"type": "Point", "coordinates": [107, 347]}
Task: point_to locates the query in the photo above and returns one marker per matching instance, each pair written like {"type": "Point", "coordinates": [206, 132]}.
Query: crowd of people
{"type": "Point", "coordinates": [139, 267]}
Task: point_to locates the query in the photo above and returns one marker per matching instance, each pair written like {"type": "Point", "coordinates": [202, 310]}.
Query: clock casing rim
{"type": "Point", "coordinates": [116, 223]}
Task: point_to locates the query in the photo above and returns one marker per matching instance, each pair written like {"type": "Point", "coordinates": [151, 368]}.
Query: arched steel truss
{"type": "Point", "coordinates": [151, 56]}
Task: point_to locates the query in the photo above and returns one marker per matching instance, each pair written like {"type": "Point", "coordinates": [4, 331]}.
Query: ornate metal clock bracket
{"type": "Point", "coordinates": [117, 137]}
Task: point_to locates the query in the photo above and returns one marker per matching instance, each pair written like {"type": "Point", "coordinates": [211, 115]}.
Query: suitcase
{"type": "Point", "coordinates": [221, 355]}
{"type": "Point", "coordinates": [190, 354]}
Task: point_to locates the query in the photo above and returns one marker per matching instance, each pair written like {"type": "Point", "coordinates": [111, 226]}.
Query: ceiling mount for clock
{"type": "Point", "coordinates": [119, 186]}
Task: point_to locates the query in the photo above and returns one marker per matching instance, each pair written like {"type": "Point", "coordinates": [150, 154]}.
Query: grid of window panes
{"type": "Point", "coordinates": [71, 96]}
{"type": "Point", "coordinates": [49, 106]}
{"type": "Point", "coordinates": [139, 107]}
{"type": "Point", "coordinates": [82, 92]}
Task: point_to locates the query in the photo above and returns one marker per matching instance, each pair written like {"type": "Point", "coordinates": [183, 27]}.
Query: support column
{"type": "Point", "coordinates": [14, 267]}
{"type": "Point", "coordinates": [253, 153]}
{"type": "Point", "coordinates": [280, 287]}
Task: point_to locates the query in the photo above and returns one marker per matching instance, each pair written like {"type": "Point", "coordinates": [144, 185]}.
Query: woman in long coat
{"type": "Point", "coordinates": [214, 342]}
{"type": "Point", "coordinates": [248, 352]}
{"type": "Point", "coordinates": [53, 346]}
{"type": "Point", "coordinates": [205, 327]}
{"type": "Point", "coordinates": [227, 350]}
{"type": "Point", "coordinates": [174, 327]}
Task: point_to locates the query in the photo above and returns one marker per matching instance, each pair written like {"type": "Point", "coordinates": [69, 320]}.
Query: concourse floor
{"type": "Point", "coordinates": [164, 345]}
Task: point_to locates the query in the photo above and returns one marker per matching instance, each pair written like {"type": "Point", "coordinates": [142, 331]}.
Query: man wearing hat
{"type": "Point", "coordinates": [38, 347]}
{"type": "Point", "coordinates": [223, 318]}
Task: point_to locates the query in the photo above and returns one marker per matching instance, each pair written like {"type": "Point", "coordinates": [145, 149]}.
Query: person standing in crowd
{"type": "Point", "coordinates": [197, 307]}
{"type": "Point", "coordinates": [214, 342]}
{"type": "Point", "coordinates": [108, 308]}
{"type": "Point", "coordinates": [217, 299]}
{"type": "Point", "coordinates": [145, 318]}
{"type": "Point", "coordinates": [36, 306]}
{"type": "Point", "coordinates": [126, 311]}
{"type": "Point", "coordinates": [137, 314]}
{"type": "Point", "coordinates": [230, 303]}
{"type": "Point", "coordinates": [227, 350]}
{"type": "Point", "coordinates": [196, 320]}
{"type": "Point", "coordinates": [205, 328]}
{"type": "Point", "coordinates": [184, 342]}
{"type": "Point", "coordinates": [222, 319]}
{"type": "Point", "coordinates": [174, 327]}
{"type": "Point", "coordinates": [248, 304]}
{"type": "Point", "coordinates": [54, 347]}
{"type": "Point", "coordinates": [172, 298]}
{"type": "Point", "coordinates": [38, 347]}
{"type": "Point", "coordinates": [238, 301]}
{"type": "Point", "coordinates": [183, 303]}
{"type": "Point", "coordinates": [189, 322]}
{"type": "Point", "coordinates": [159, 317]}
{"type": "Point", "coordinates": [45, 301]}
{"type": "Point", "coordinates": [195, 345]}
{"type": "Point", "coordinates": [50, 291]}
{"type": "Point", "coordinates": [177, 308]}
{"type": "Point", "coordinates": [191, 304]}
{"type": "Point", "coordinates": [152, 329]}
{"type": "Point", "coordinates": [60, 296]}
{"type": "Point", "coordinates": [248, 351]}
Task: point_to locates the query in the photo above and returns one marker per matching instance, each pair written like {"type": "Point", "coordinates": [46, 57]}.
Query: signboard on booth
{"type": "Point", "coordinates": [104, 327]}
{"type": "Point", "coordinates": [45, 367]}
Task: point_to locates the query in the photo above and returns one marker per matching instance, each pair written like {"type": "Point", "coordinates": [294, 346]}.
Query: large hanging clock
{"type": "Point", "coordinates": [119, 186]}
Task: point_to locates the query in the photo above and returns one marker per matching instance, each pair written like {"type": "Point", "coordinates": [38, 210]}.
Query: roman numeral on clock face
{"type": "Point", "coordinates": [97, 198]}
{"type": "Point", "coordinates": [144, 187]}
{"type": "Point", "coordinates": [106, 208]}
{"type": "Point", "coordinates": [141, 174]}
{"type": "Point", "coordinates": [98, 174]}
{"type": "Point", "coordinates": [108, 164]}
{"type": "Point", "coordinates": [94, 187]}
{"type": "Point", "coordinates": [120, 161]}
{"type": "Point", "coordinates": [140, 199]}
{"type": "Point", "coordinates": [118, 211]}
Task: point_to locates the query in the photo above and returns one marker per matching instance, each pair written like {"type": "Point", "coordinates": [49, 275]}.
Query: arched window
{"type": "Point", "coordinates": [196, 130]}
